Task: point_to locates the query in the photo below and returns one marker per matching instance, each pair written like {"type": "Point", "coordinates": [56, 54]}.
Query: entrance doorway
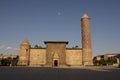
{"type": "Point", "coordinates": [55, 63]}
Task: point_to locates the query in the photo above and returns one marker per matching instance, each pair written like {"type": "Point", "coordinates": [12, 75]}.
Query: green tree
{"type": "Point", "coordinates": [112, 60]}
{"type": "Point", "coordinates": [15, 61]}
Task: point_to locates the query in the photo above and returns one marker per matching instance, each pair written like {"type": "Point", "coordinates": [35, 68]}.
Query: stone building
{"type": "Point", "coordinates": [55, 54]}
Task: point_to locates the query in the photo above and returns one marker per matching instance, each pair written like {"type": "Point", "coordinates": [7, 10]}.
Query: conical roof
{"type": "Point", "coordinates": [25, 41]}
{"type": "Point", "coordinates": [85, 16]}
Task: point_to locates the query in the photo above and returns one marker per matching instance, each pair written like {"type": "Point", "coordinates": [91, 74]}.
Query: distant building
{"type": "Point", "coordinates": [8, 56]}
{"type": "Point", "coordinates": [108, 55]}
{"type": "Point", "coordinates": [55, 54]}
{"type": "Point", "coordinates": [112, 54]}
{"type": "Point", "coordinates": [99, 57]}
{"type": "Point", "coordinates": [105, 57]}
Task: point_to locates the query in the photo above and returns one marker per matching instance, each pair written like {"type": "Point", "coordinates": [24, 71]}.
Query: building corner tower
{"type": "Point", "coordinates": [86, 40]}
{"type": "Point", "coordinates": [24, 53]}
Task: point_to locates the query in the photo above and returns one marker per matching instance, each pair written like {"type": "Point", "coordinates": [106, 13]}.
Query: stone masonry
{"type": "Point", "coordinates": [55, 54]}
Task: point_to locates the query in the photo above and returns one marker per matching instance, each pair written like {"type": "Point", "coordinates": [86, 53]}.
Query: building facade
{"type": "Point", "coordinates": [56, 54]}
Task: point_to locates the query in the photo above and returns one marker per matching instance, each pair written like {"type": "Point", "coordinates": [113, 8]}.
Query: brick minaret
{"type": "Point", "coordinates": [86, 40]}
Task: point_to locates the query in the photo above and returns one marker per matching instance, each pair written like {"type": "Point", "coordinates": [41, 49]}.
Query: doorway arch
{"type": "Point", "coordinates": [55, 63]}
{"type": "Point", "coordinates": [55, 60]}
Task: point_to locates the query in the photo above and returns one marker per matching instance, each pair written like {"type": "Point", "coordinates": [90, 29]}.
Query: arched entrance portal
{"type": "Point", "coordinates": [55, 63]}
{"type": "Point", "coordinates": [55, 60]}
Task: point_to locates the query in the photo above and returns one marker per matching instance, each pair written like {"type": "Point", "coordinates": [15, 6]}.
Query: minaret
{"type": "Point", "coordinates": [24, 53]}
{"type": "Point", "coordinates": [86, 40]}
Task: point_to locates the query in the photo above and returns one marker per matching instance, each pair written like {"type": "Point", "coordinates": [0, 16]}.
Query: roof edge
{"type": "Point", "coordinates": [56, 42]}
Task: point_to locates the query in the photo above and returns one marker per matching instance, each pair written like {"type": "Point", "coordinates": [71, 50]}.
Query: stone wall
{"type": "Point", "coordinates": [74, 57]}
{"type": "Point", "coordinates": [37, 57]}
{"type": "Point", "coordinates": [58, 49]}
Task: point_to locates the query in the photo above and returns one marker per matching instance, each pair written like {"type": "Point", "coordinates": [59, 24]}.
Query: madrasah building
{"type": "Point", "coordinates": [56, 54]}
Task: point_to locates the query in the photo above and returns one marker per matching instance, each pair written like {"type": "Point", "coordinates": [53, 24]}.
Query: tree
{"type": "Point", "coordinates": [105, 61]}
{"type": "Point", "coordinates": [112, 60]}
{"type": "Point", "coordinates": [15, 61]}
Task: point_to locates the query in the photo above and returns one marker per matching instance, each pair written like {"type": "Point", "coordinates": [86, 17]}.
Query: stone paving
{"type": "Point", "coordinates": [37, 73]}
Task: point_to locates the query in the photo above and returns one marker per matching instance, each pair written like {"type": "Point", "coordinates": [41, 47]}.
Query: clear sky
{"type": "Point", "coordinates": [41, 20]}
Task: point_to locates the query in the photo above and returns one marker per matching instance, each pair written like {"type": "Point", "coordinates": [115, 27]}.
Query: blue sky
{"type": "Point", "coordinates": [41, 20]}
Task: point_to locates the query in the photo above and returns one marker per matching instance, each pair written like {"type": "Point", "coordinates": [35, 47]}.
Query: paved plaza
{"type": "Point", "coordinates": [32, 73]}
